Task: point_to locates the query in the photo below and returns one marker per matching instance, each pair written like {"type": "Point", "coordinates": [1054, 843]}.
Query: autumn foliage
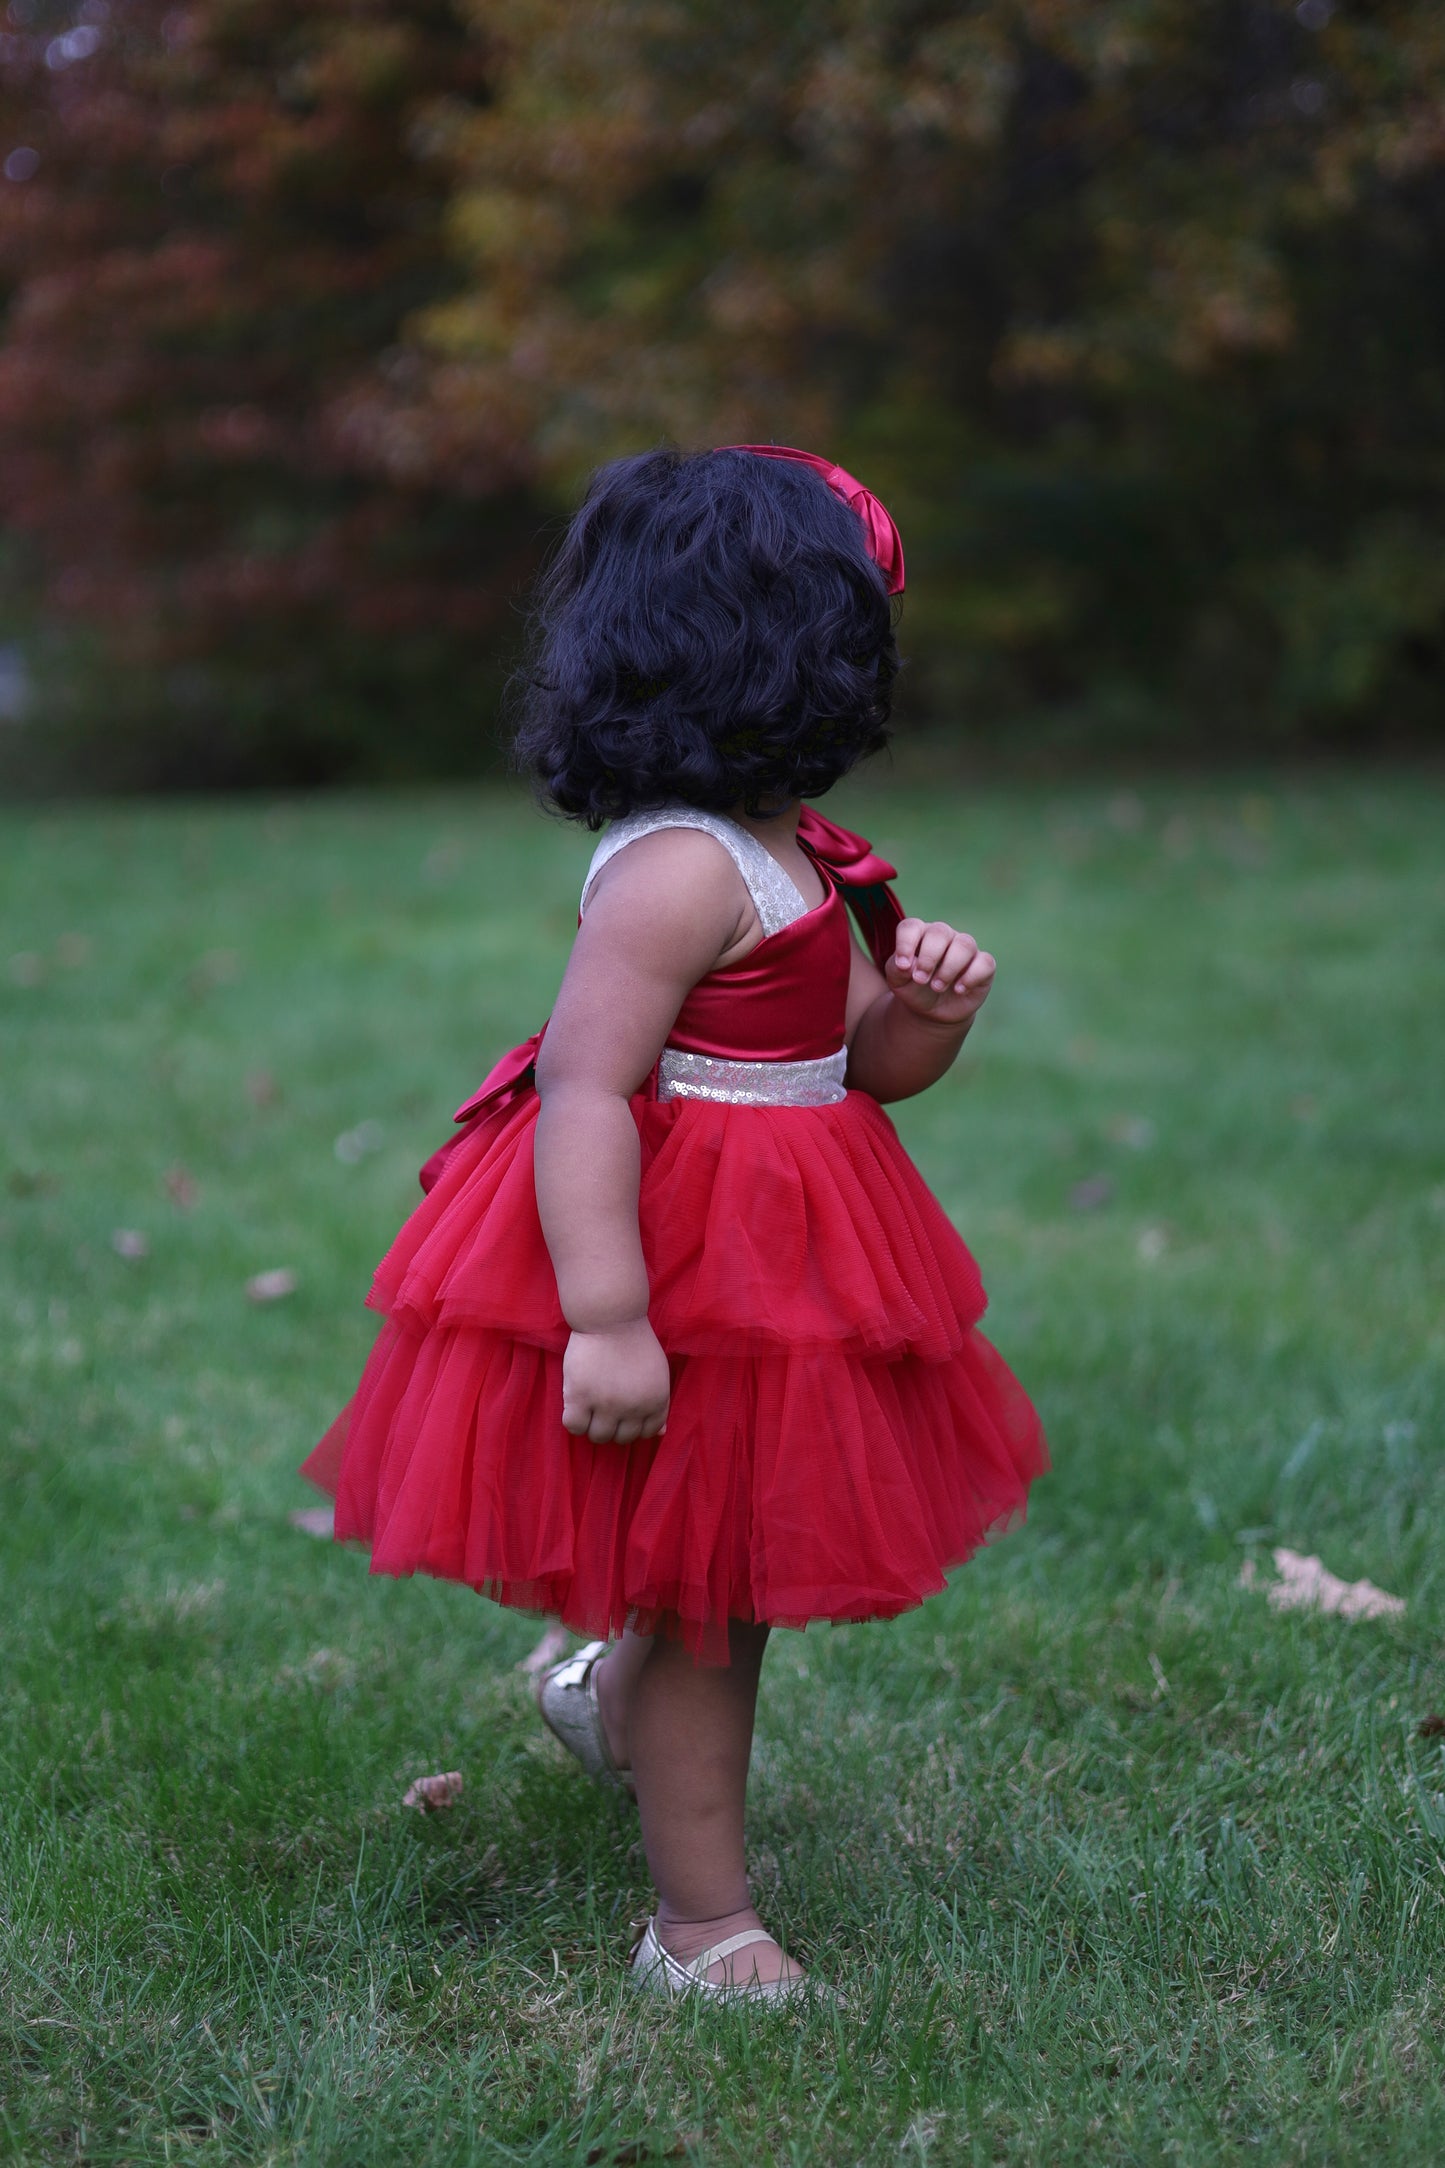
{"type": "Point", "coordinates": [1135, 311]}
{"type": "Point", "coordinates": [206, 435]}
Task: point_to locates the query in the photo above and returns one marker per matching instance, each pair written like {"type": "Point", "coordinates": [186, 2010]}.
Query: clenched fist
{"type": "Point", "coordinates": [938, 972]}
{"type": "Point", "coordinates": [615, 1384]}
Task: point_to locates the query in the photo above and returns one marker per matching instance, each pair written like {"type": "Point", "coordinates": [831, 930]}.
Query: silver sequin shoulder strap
{"type": "Point", "coordinates": [775, 899]}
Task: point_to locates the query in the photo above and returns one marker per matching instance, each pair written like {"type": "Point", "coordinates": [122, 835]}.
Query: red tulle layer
{"type": "Point", "coordinates": [839, 1432]}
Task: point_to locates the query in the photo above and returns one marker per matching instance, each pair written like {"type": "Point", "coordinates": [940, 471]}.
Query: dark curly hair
{"type": "Point", "coordinates": [712, 629]}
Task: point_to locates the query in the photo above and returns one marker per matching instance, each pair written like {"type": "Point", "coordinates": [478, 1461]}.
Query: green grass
{"type": "Point", "coordinates": [1114, 1862]}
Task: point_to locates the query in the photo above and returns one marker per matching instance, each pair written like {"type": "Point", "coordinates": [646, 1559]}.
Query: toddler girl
{"type": "Point", "coordinates": [679, 1346]}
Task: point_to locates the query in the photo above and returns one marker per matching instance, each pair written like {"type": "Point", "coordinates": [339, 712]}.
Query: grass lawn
{"type": "Point", "coordinates": [1114, 1861]}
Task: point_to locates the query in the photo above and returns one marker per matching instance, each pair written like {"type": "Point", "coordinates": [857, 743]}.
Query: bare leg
{"type": "Point", "coordinates": [690, 1733]}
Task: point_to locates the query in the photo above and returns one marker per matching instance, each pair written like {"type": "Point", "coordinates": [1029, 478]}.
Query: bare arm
{"type": "Point", "coordinates": [906, 1024]}
{"type": "Point", "coordinates": [660, 916]}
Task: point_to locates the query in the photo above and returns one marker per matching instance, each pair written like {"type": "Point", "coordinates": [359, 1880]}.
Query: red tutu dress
{"type": "Point", "coordinates": [839, 1432]}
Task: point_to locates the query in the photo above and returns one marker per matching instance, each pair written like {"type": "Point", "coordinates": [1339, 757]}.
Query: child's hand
{"type": "Point", "coordinates": [615, 1384]}
{"type": "Point", "coordinates": [938, 972]}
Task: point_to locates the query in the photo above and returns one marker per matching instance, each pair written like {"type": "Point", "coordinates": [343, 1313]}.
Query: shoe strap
{"type": "Point", "coordinates": [575, 1670]}
{"type": "Point", "coordinates": [699, 1966]}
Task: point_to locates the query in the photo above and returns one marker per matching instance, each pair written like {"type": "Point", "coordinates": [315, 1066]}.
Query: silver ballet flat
{"type": "Point", "coordinates": [567, 1698]}
{"type": "Point", "coordinates": [657, 1970]}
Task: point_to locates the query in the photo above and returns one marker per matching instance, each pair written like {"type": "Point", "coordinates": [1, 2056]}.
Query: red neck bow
{"type": "Point", "coordinates": [885, 544]}
{"type": "Point", "coordinates": [862, 876]}
{"type": "Point", "coordinates": [851, 859]}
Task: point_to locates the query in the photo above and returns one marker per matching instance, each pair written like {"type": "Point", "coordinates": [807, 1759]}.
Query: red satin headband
{"type": "Point", "coordinates": [885, 544]}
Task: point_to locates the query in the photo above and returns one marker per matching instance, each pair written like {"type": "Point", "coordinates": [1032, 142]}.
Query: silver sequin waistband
{"type": "Point", "coordinates": [752, 1083]}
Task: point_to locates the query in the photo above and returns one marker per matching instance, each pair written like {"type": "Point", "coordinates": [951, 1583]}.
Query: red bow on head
{"type": "Point", "coordinates": [885, 544]}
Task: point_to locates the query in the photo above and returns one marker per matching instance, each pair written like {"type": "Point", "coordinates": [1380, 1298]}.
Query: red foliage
{"type": "Point", "coordinates": [206, 414]}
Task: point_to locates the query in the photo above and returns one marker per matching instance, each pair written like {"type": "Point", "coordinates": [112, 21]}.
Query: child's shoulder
{"type": "Point", "coordinates": [664, 862]}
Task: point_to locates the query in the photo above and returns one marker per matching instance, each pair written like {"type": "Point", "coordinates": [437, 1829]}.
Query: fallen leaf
{"type": "Point", "coordinates": [218, 967]}
{"type": "Point", "coordinates": [1088, 1195]}
{"type": "Point", "coordinates": [1430, 1727]}
{"type": "Point", "coordinates": [22, 1182]}
{"type": "Point", "coordinates": [431, 1793]}
{"type": "Point", "coordinates": [549, 1649]}
{"type": "Point", "coordinates": [353, 1145]}
{"type": "Point", "coordinates": [1306, 1585]}
{"type": "Point", "coordinates": [314, 1520]}
{"type": "Point", "coordinates": [325, 1667]}
{"type": "Point", "coordinates": [181, 1187]}
{"type": "Point", "coordinates": [130, 1242]}
{"type": "Point", "coordinates": [271, 1286]}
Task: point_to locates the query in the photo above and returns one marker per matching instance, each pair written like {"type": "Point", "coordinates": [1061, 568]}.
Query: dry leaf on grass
{"type": "Point", "coordinates": [1093, 1191]}
{"type": "Point", "coordinates": [1306, 1585]}
{"type": "Point", "coordinates": [430, 1793]}
{"type": "Point", "coordinates": [1430, 1727]}
{"type": "Point", "coordinates": [314, 1520]}
{"type": "Point", "coordinates": [23, 1182]}
{"type": "Point", "coordinates": [218, 967]}
{"type": "Point", "coordinates": [551, 1647]}
{"type": "Point", "coordinates": [353, 1145]}
{"type": "Point", "coordinates": [271, 1286]}
{"type": "Point", "coordinates": [181, 1187]}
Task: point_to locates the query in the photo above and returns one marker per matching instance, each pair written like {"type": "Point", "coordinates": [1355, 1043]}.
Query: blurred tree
{"type": "Point", "coordinates": [215, 222]}
{"type": "Point", "coordinates": [1134, 310]}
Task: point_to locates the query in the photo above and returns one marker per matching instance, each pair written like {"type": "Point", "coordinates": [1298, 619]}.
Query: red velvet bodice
{"type": "Point", "coordinates": [786, 1000]}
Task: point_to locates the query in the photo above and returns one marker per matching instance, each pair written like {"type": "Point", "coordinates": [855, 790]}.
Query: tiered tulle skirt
{"type": "Point", "coordinates": [839, 1432]}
